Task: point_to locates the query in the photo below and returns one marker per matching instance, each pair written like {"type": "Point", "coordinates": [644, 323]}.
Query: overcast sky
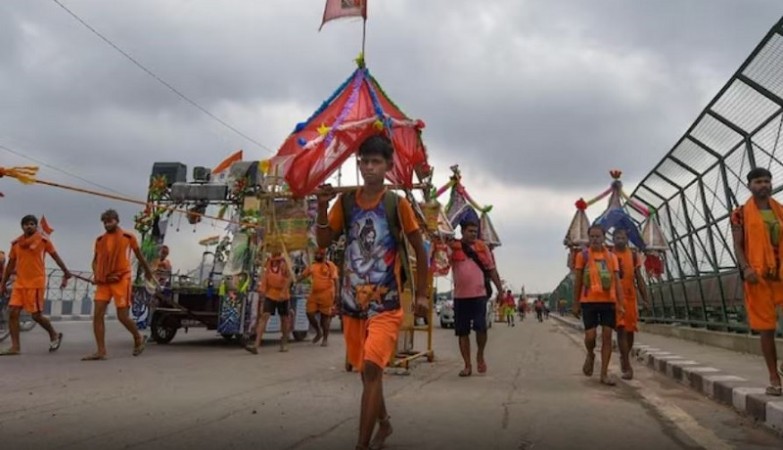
{"type": "Point", "coordinates": [536, 100]}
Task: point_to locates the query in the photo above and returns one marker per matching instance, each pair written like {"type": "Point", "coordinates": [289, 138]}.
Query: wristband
{"type": "Point", "coordinates": [322, 226]}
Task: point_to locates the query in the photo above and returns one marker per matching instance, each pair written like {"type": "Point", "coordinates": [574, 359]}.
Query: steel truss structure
{"type": "Point", "coordinates": [701, 180]}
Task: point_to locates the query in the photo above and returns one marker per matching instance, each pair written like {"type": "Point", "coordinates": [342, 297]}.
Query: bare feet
{"type": "Point", "coordinates": [384, 431]}
{"type": "Point", "coordinates": [317, 338]}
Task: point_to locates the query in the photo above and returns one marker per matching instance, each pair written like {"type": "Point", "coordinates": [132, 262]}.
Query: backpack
{"type": "Point", "coordinates": [391, 202]}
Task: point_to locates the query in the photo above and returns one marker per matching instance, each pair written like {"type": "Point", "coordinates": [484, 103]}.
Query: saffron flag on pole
{"type": "Point", "coordinates": [221, 170]}
{"type": "Point", "coordinates": [46, 229]}
{"type": "Point", "coordinates": [336, 9]}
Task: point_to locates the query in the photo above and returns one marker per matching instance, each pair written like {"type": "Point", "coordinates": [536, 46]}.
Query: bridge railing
{"type": "Point", "coordinates": [73, 302]}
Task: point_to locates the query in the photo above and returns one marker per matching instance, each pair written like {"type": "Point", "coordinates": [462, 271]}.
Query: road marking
{"type": "Point", "coordinates": [704, 437]}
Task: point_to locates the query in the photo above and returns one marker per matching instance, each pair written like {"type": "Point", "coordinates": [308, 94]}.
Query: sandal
{"type": "Point", "coordinates": [139, 349]}
{"type": "Point", "coordinates": [10, 353]}
{"type": "Point", "coordinates": [252, 349]}
{"type": "Point", "coordinates": [775, 391]}
{"type": "Point", "coordinates": [466, 372]}
{"type": "Point", "coordinates": [55, 344]}
{"type": "Point", "coordinates": [627, 375]}
{"type": "Point", "coordinates": [482, 367]}
{"type": "Point", "coordinates": [589, 365]}
{"type": "Point", "coordinates": [94, 357]}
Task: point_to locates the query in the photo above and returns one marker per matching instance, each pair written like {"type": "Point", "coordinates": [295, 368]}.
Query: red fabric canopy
{"type": "Point", "coordinates": [357, 110]}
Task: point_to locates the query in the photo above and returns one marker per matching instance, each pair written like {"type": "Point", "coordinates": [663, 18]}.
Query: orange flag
{"type": "Point", "coordinates": [223, 167]}
{"type": "Point", "coordinates": [46, 229]}
{"type": "Point", "coordinates": [336, 9]}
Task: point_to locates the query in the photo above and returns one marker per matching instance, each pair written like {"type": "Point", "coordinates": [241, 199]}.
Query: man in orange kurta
{"type": "Point", "coordinates": [322, 294]}
{"type": "Point", "coordinates": [598, 298]}
{"type": "Point", "coordinates": [27, 260]}
{"type": "Point", "coordinates": [757, 228]}
{"type": "Point", "coordinates": [112, 274]}
{"type": "Point", "coordinates": [631, 279]}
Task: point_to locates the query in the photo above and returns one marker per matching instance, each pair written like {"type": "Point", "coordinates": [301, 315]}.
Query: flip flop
{"type": "Point", "coordinates": [94, 357]}
{"type": "Point", "coordinates": [589, 365]}
{"type": "Point", "coordinates": [139, 349]}
{"type": "Point", "coordinates": [55, 344]}
{"type": "Point", "coordinates": [10, 353]}
{"type": "Point", "coordinates": [466, 372]}
{"type": "Point", "coordinates": [627, 375]}
{"type": "Point", "coordinates": [775, 391]}
{"type": "Point", "coordinates": [482, 367]}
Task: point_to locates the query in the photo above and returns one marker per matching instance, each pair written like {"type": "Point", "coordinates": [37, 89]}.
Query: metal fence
{"type": "Point", "coordinates": [72, 303]}
{"type": "Point", "coordinates": [701, 180]}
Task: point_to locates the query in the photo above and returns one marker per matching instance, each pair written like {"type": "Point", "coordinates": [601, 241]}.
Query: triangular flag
{"type": "Point", "coordinates": [336, 9]}
{"type": "Point", "coordinates": [226, 163]}
{"type": "Point", "coordinates": [46, 229]}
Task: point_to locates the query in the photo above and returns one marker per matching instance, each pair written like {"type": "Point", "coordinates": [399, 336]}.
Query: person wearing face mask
{"type": "Point", "coordinates": [322, 293]}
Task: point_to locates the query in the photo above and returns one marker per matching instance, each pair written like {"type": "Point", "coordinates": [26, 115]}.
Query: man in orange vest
{"type": "Point", "coordinates": [631, 279]}
{"type": "Point", "coordinates": [758, 243]}
{"type": "Point", "coordinates": [113, 273]}
{"type": "Point", "coordinates": [275, 290]}
{"type": "Point", "coordinates": [322, 294]}
{"type": "Point", "coordinates": [598, 297]}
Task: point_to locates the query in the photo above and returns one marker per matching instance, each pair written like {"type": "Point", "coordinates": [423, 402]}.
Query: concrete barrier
{"type": "Point", "coordinates": [723, 387]}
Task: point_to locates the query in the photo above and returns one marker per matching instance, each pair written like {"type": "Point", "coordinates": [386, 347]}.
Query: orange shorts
{"type": "Point", "coordinates": [30, 299]}
{"type": "Point", "coordinates": [373, 339]}
{"type": "Point", "coordinates": [630, 320]}
{"type": "Point", "coordinates": [119, 291]}
{"type": "Point", "coordinates": [761, 300]}
{"type": "Point", "coordinates": [321, 302]}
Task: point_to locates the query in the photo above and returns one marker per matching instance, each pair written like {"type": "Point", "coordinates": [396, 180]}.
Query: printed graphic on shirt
{"type": "Point", "coordinates": [370, 284]}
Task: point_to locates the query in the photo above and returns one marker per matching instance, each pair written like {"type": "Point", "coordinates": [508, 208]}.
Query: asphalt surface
{"type": "Point", "coordinates": [203, 392]}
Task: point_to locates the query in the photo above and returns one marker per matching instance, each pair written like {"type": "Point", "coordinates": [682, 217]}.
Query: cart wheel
{"type": "Point", "coordinates": [229, 337]}
{"type": "Point", "coordinates": [431, 357]}
{"type": "Point", "coordinates": [300, 336]}
{"type": "Point", "coordinates": [162, 333]}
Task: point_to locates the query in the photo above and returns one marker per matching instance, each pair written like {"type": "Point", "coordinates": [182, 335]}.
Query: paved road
{"type": "Point", "coordinates": [201, 392]}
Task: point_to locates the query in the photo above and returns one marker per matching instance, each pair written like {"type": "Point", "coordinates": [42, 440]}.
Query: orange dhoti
{"type": "Point", "coordinates": [322, 302]}
{"type": "Point", "coordinates": [119, 291]}
{"type": "Point", "coordinates": [373, 339]}
{"type": "Point", "coordinates": [761, 299]}
{"type": "Point", "coordinates": [630, 320]}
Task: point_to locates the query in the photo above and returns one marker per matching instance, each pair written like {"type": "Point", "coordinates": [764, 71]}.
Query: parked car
{"type": "Point", "coordinates": [446, 314]}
